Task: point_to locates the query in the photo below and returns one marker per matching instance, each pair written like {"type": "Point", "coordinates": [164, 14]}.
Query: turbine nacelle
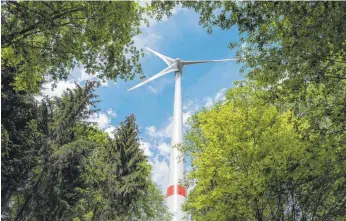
{"type": "Point", "coordinates": [179, 64]}
{"type": "Point", "coordinates": [174, 65]}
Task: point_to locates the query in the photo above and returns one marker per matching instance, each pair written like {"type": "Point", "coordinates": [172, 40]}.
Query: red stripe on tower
{"type": "Point", "coordinates": [176, 190]}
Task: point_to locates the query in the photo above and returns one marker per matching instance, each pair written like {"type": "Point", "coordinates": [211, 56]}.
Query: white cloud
{"type": "Point", "coordinates": [78, 75]}
{"type": "Point", "coordinates": [110, 130]}
{"type": "Point", "coordinates": [152, 132]}
{"type": "Point", "coordinates": [189, 108]}
{"type": "Point", "coordinates": [145, 146]}
{"type": "Point", "coordinates": [111, 112]}
{"type": "Point", "coordinates": [164, 148]}
{"type": "Point", "coordinates": [164, 132]}
{"type": "Point", "coordinates": [160, 172]}
{"type": "Point", "coordinates": [61, 86]}
{"type": "Point", "coordinates": [186, 117]}
{"type": "Point", "coordinates": [209, 102]}
{"type": "Point", "coordinates": [191, 105]}
{"type": "Point", "coordinates": [104, 83]}
{"type": "Point", "coordinates": [167, 130]}
{"type": "Point", "coordinates": [102, 120]}
{"type": "Point", "coordinates": [220, 96]}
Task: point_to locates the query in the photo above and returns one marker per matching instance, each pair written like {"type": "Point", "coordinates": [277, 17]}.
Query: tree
{"type": "Point", "coordinates": [46, 40]}
{"type": "Point", "coordinates": [56, 165]}
{"type": "Point", "coordinates": [19, 143]}
{"type": "Point", "coordinates": [294, 49]}
{"type": "Point", "coordinates": [63, 168]}
{"type": "Point", "coordinates": [152, 205]}
{"type": "Point", "coordinates": [251, 163]}
{"type": "Point", "coordinates": [28, 168]}
{"type": "Point", "coordinates": [119, 177]}
{"type": "Point", "coordinates": [131, 168]}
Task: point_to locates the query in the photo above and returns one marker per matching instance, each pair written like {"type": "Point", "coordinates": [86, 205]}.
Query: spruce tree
{"type": "Point", "coordinates": [63, 168]}
{"type": "Point", "coordinates": [130, 165]}
{"type": "Point", "coordinates": [19, 144]}
{"type": "Point", "coordinates": [60, 178]}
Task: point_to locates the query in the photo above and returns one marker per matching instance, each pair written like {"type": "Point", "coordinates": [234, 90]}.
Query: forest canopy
{"type": "Point", "coordinates": [55, 164]}
{"type": "Point", "coordinates": [274, 149]}
{"type": "Point", "coordinates": [47, 39]}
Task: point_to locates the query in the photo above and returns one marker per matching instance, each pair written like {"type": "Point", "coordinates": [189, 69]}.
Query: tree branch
{"type": "Point", "coordinates": [9, 39]}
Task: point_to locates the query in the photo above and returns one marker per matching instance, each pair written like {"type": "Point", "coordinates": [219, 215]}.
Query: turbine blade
{"type": "Point", "coordinates": [207, 61]}
{"type": "Point", "coordinates": [166, 59]}
{"type": "Point", "coordinates": [172, 67]}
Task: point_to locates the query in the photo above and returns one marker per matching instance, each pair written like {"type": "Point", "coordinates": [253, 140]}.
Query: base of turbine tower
{"type": "Point", "coordinates": [176, 196]}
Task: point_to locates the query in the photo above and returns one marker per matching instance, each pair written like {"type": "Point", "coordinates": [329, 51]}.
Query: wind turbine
{"type": "Point", "coordinates": [176, 193]}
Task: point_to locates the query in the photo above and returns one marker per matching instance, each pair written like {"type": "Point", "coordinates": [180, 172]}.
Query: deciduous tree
{"type": "Point", "coordinates": [251, 163]}
{"type": "Point", "coordinates": [45, 40]}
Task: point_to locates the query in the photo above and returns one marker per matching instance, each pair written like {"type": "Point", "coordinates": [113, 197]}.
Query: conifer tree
{"type": "Point", "coordinates": [18, 147]}
{"type": "Point", "coordinates": [131, 168]}
{"type": "Point", "coordinates": [56, 166]}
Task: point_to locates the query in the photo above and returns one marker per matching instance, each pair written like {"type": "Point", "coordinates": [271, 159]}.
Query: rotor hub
{"type": "Point", "coordinates": [179, 64]}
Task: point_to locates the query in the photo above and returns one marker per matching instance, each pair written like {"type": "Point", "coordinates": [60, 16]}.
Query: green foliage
{"type": "Point", "coordinates": [31, 170]}
{"type": "Point", "coordinates": [296, 52]}
{"type": "Point", "coordinates": [152, 205]}
{"type": "Point", "coordinates": [294, 49]}
{"type": "Point", "coordinates": [48, 39]}
{"type": "Point", "coordinates": [56, 166]}
{"type": "Point", "coordinates": [251, 163]}
{"type": "Point", "coordinates": [126, 160]}
{"type": "Point", "coordinates": [20, 141]}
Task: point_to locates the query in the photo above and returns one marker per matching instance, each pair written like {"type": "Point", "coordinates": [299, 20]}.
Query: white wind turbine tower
{"type": "Point", "coordinates": [176, 193]}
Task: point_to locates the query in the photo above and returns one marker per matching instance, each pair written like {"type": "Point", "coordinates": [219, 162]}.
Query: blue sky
{"type": "Point", "coordinates": [202, 85]}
